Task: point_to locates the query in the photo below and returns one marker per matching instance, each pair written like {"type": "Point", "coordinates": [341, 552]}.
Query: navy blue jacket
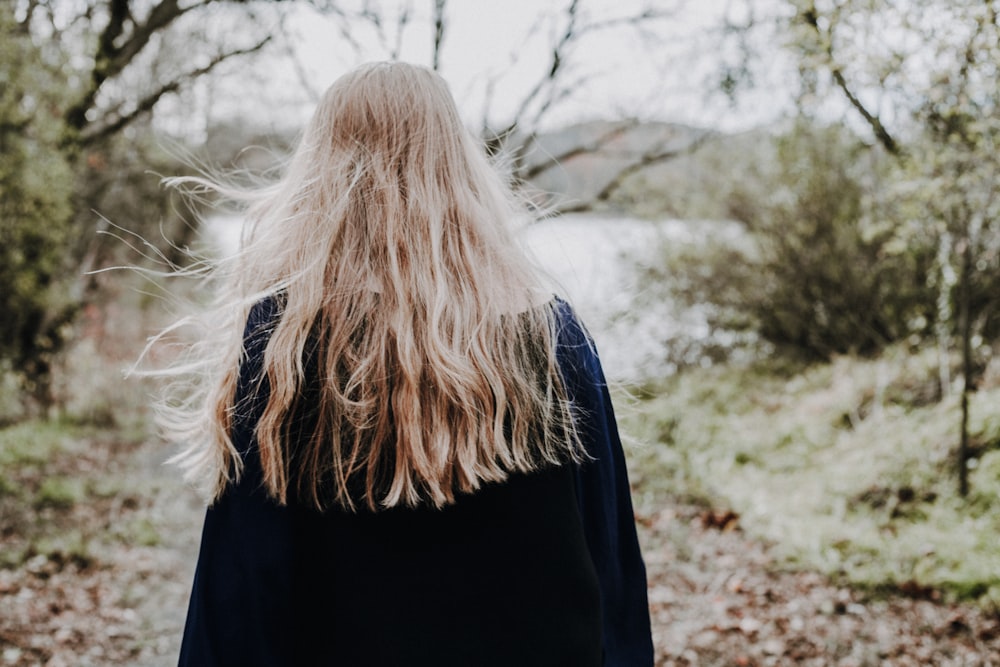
{"type": "Point", "coordinates": [541, 570]}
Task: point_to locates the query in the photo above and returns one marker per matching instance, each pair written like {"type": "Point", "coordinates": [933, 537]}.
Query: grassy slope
{"type": "Point", "coordinates": [846, 467]}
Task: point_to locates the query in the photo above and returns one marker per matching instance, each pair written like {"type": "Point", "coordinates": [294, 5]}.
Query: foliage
{"type": "Point", "coordinates": [36, 184]}
{"type": "Point", "coordinates": [939, 85]}
{"type": "Point", "coordinates": [825, 281]}
{"type": "Point", "coordinates": [816, 273]}
{"type": "Point", "coordinates": [77, 86]}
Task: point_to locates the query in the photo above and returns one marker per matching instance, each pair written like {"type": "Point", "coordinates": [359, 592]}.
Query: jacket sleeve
{"type": "Point", "coordinates": [241, 610]}
{"type": "Point", "coordinates": [605, 500]}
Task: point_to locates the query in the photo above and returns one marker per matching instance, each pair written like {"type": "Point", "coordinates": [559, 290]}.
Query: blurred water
{"type": "Point", "coordinates": [592, 259]}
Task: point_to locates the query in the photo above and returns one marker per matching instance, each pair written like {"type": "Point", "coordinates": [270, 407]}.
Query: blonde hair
{"type": "Point", "coordinates": [409, 362]}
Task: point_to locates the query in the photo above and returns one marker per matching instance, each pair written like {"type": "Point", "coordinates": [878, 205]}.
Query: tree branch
{"type": "Point", "coordinates": [402, 21]}
{"type": "Point", "coordinates": [646, 160]}
{"type": "Point", "coordinates": [161, 16]}
{"type": "Point", "coordinates": [635, 20]}
{"type": "Point", "coordinates": [372, 16]}
{"type": "Point", "coordinates": [343, 23]}
{"type": "Point", "coordinates": [111, 58]}
{"type": "Point", "coordinates": [76, 115]}
{"type": "Point", "coordinates": [583, 149]}
{"type": "Point", "coordinates": [439, 26]}
{"type": "Point", "coordinates": [547, 91]}
{"type": "Point", "coordinates": [296, 61]}
{"type": "Point", "coordinates": [555, 64]}
{"type": "Point", "coordinates": [147, 103]}
{"type": "Point", "coordinates": [811, 18]}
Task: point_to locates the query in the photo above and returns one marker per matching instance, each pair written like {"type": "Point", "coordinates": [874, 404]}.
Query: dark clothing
{"type": "Point", "coordinates": [541, 570]}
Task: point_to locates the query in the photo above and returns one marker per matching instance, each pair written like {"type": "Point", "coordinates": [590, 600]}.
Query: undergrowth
{"type": "Point", "coordinates": [847, 467]}
{"type": "Point", "coordinates": [63, 486]}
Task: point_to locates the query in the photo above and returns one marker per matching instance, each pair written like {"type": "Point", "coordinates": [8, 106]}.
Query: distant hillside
{"type": "Point", "coordinates": [592, 155]}
{"type": "Point", "coordinates": [694, 183]}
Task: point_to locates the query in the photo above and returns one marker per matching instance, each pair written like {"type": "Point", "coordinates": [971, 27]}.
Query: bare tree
{"type": "Point", "coordinates": [557, 82]}
{"type": "Point", "coordinates": [558, 78]}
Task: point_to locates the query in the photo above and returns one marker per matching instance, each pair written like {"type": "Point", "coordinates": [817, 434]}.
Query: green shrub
{"type": "Point", "coordinates": [820, 270]}
{"type": "Point", "coordinates": [59, 492]}
{"type": "Point", "coordinates": [33, 443]}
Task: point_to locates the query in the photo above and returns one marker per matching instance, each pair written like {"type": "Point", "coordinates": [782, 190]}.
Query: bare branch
{"type": "Point", "coordinates": [344, 22]}
{"type": "Point", "coordinates": [878, 128]}
{"type": "Point", "coordinates": [147, 103]}
{"type": "Point", "coordinates": [439, 26]}
{"type": "Point", "coordinates": [372, 15]}
{"type": "Point", "coordinates": [296, 61]}
{"type": "Point", "coordinates": [389, 33]}
{"type": "Point", "coordinates": [548, 91]}
{"type": "Point", "coordinates": [402, 21]}
{"type": "Point", "coordinates": [111, 58]}
{"type": "Point", "coordinates": [811, 18]}
{"type": "Point", "coordinates": [557, 94]}
{"type": "Point", "coordinates": [583, 149]}
{"type": "Point", "coordinates": [493, 78]}
{"type": "Point", "coordinates": [488, 96]}
{"type": "Point", "coordinates": [555, 64]}
{"type": "Point", "coordinates": [656, 156]}
{"type": "Point", "coordinates": [635, 20]}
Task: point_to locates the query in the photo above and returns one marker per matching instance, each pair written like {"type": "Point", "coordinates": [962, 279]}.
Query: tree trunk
{"type": "Point", "coordinates": [965, 331]}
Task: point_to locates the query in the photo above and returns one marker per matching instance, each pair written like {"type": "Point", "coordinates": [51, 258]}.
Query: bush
{"type": "Point", "coordinates": [819, 270]}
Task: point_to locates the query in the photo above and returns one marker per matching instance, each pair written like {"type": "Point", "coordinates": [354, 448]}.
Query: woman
{"type": "Point", "coordinates": [409, 445]}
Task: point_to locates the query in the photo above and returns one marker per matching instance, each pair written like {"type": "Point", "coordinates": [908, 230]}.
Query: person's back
{"type": "Point", "coordinates": [413, 459]}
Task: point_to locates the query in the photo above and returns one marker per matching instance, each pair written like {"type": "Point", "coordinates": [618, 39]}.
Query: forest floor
{"type": "Point", "coordinates": [98, 573]}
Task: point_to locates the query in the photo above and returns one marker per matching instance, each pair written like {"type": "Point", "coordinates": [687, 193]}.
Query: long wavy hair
{"type": "Point", "coordinates": [412, 359]}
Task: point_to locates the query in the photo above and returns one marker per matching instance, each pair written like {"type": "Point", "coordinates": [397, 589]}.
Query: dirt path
{"type": "Point", "coordinates": [715, 597]}
{"type": "Point", "coordinates": [110, 581]}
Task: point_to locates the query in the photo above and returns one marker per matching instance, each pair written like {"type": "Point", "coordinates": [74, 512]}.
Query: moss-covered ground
{"type": "Point", "coordinates": [846, 468]}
